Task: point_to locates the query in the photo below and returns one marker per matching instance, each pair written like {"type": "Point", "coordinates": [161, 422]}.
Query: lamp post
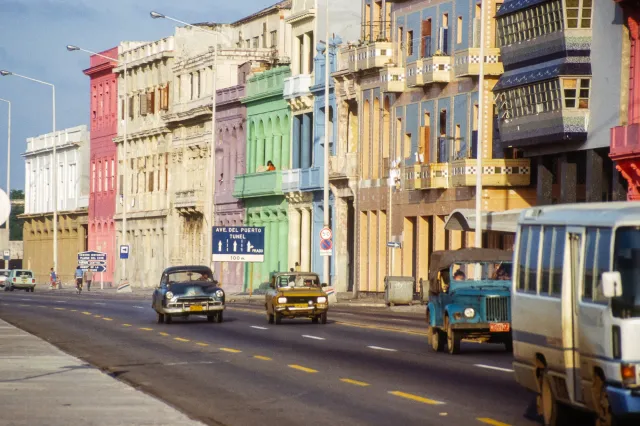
{"type": "Point", "coordinates": [211, 171]}
{"type": "Point", "coordinates": [481, 107]}
{"type": "Point", "coordinates": [72, 48]}
{"type": "Point", "coordinates": [54, 163]}
{"type": "Point", "coordinates": [327, 69]}
{"type": "Point", "coordinates": [8, 162]}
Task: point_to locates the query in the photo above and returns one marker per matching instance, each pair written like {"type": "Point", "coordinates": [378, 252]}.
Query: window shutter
{"type": "Point", "coordinates": [425, 145]}
{"type": "Point", "coordinates": [131, 105]}
{"type": "Point", "coordinates": [143, 103]}
{"type": "Point", "coordinates": [165, 97]}
{"type": "Point", "coordinates": [122, 105]}
{"type": "Point", "coordinates": [150, 98]}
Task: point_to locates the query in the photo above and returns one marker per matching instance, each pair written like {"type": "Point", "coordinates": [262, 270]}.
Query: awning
{"type": "Point", "coordinates": [540, 72]}
{"type": "Point", "coordinates": [511, 6]}
{"type": "Point", "coordinates": [465, 220]}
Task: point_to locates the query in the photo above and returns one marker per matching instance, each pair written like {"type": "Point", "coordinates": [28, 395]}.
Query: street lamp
{"type": "Point", "coordinates": [212, 164]}
{"type": "Point", "coordinates": [72, 48]}
{"type": "Point", "coordinates": [481, 107]}
{"type": "Point", "coordinates": [5, 73]}
{"type": "Point", "coordinates": [8, 162]}
{"type": "Point", "coordinates": [327, 70]}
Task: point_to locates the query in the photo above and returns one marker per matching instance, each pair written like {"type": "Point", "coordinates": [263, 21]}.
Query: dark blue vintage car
{"type": "Point", "coordinates": [469, 298]}
{"type": "Point", "coordinates": [188, 290]}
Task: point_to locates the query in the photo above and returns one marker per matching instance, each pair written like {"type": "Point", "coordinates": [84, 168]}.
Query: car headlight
{"type": "Point", "coordinates": [169, 295]}
{"type": "Point", "coordinates": [219, 294]}
{"type": "Point", "coordinates": [469, 313]}
{"type": "Point", "coordinates": [322, 299]}
{"type": "Point", "coordinates": [282, 300]}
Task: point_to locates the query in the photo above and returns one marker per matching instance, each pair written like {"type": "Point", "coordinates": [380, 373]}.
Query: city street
{"type": "Point", "coordinates": [357, 370]}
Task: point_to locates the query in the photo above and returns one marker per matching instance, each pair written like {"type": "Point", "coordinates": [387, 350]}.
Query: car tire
{"type": "Point", "coordinates": [160, 318]}
{"type": "Point", "coordinates": [277, 318]}
{"type": "Point", "coordinates": [508, 345]}
{"type": "Point", "coordinates": [315, 319]}
{"type": "Point", "coordinates": [219, 317]}
{"type": "Point", "coordinates": [11, 289]}
{"type": "Point", "coordinates": [604, 413]}
{"type": "Point", "coordinates": [323, 318]}
{"type": "Point", "coordinates": [168, 319]}
{"type": "Point", "coordinates": [553, 412]}
{"type": "Point", "coordinates": [438, 340]}
{"type": "Point", "coordinates": [453, 338]}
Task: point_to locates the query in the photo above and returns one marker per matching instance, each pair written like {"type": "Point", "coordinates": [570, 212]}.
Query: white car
{"type": "Point", "coordinates": [4, 275]}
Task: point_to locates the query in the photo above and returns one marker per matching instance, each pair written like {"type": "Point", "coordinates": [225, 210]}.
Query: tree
{"type": "Point", "coordinates": [15, 230]}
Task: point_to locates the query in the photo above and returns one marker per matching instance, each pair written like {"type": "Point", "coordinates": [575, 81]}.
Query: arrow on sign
{"type": "Point", "coordinates": [219, 245]}
{"type": "Point", "coordinates": [235, 246]}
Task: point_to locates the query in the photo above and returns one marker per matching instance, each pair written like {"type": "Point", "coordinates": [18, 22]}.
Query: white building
{"type": "Point", "coordinates": [72, 147]}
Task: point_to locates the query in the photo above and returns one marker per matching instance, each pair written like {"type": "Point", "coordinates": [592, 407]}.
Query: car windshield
{"type": "Point", "coordinates": [4, 273]}
{"type": "Point", "coordinates": [298, 281]}
{"type": "Point", "coordinates": [474, 271]}
{"type": "Point", "coordinates": [626, 260]}
{"type": "Point", "coordinates": [196, 288]}
{"type": "Point", "coordinates": [189, 276]}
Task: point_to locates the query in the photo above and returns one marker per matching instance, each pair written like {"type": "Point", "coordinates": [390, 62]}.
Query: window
{"type": "Point", "coordinates": [576, 92]}
{"type": "Point", "coordinates": [558, 261]}
{"type": "Point", "coordinates": [425, 38]}
{"type": "Point", "coordinates": [192, 80]}
{"type": "Point", "coordinates": [93, 177]}
{"type": "Point", "coordinates": [274, 39]}
{"type": "Point", "coordinates": [150, 181]}
{"type": "Point", "coordinates": [532, 99]}
{"type": "Point", "coordinates": [100, 177]}
{"type": "Point", "coordinates": [529, 23]}
{"type": "Point", "coordinates": [445, 20]}
{"type": "Point", "coordinates": [546, 266]}
{"type": "Point", "coordinates": [247, 43]}
{"type": "Point", "coordinates": [597, 260]}
{"type": "Point", "coordinates": [410, 43]}
{"type": "Point", "coordinates": [256, 41]}
{"type": "Point", "coordinates": [113, 175]}
{"type": "Point", "coordinates": [533, 254]}
{"type": "Point", "coordinates": [459, 30]}
{"type": "Point", "coordinates": [121, 179]}
{"type": "Point", "coordinates": [106, 175]}
{"type": "Point", "coordinates": [522, 257]}
{"type": "Point", "coordinates": [579, 13]}
{"type": "Point", "coordinates": [143, 103]}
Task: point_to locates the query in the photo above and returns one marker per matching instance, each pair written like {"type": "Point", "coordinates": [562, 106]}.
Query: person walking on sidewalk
{"type": "Point", "coordinates": [78, 275]}
{"type": "Point", "coordinates": [53, 279]}
{"type": "Point", "coordinates": [88, 277]}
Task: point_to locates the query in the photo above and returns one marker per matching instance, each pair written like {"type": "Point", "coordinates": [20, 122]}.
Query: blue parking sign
{"type": "Point", "coordinates": [124, 251]}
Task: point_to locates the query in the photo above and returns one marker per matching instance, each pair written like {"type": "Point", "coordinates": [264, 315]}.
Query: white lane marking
{"type": "Point", "coordinates": [378, 348]}
{"type": "Point", "coordinates": [100, 303]}
{"type": "Point", "coordinates": [25, 299]}
{"type": "Point", "coordinates": [306, 336]}
{"type": "Point", "coordinates": [399, 320]}
{"type": "Point", "coordinates": [259, 328]}
{"type": "Point", "coordinates": [61, 301]}
{"type": "Point", "coordinates": [491, 367]}
{"type": "Point", "coordinates": [139, 307]}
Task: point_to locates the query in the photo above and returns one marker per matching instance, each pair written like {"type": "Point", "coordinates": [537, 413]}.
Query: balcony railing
{"type": "Point", "coordinates": [625, 142]}
{"type": "Point", "coordinates": [467, 62]}
{"type": "Point", "coordinates": [311, 179]}
{"type": "Point", "coordinates": [436, 69]}
{"type": "Point", "coordinates": [392, 79]}
{"type": "Point", "coordinates": [297, 86]}
{"type": "Point", "coordinates": [291, 180]}
{"type": "Point", "coordinates": [495, 172]}
{"type": "Point", "coordinates": [189, 202]}
{"type": "Point", "coordinates": [258, 185]}
{"type": "Point", "coordinates": [374, 55]}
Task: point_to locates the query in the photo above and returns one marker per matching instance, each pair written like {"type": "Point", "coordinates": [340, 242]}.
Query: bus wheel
{"type": "Point", "coordinates": [553, 412]}
{"type": "Point", "coordinates": [604, 416]}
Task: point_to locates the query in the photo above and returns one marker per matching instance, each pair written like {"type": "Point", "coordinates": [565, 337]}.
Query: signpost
{"type": "Point", "coordinates": [238, 244]}
{"type": "Point", "coordinates": [124, 251]}
{"type": "Point", "coordinates": [93, 261]}
{"type": "Point", "coordinates": [326, 245]}
{"type": "Point", "coordinates": [6, 255]}
{"type": "Point", "coordinates": [394, 244]}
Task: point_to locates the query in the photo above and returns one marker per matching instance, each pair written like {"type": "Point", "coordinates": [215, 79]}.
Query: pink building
{"type": "Point", "coordinates": [103, 164]}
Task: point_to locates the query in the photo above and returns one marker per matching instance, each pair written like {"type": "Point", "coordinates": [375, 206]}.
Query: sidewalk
{"type": "Point", "coordinates": [41, 385]}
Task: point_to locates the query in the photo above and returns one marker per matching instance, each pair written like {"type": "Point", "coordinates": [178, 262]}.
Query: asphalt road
{"type": "Point", "coordinates": [360, 369]}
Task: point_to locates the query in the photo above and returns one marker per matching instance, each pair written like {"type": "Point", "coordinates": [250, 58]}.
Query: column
{"type": "Point", "coordinates": [277, 151]}
{"type": "Point", "coordinates": [268, 149]}
{"type": "Point", "coordinates": [274, 257]}
{"type": "Point", "coordinates": [294, 236]}
{"type": "Point", "coordinates": [283, 242]}
{"type": "Point", "coordinates": [545, 183]}
{"type": "Point", "coordinates": [286, 150]}
{"type": "Point", "coordinates": [594, 176]}
{"type": "Point", "coordinates": [260, 153]}
{"type": "Point", "coordinates": [250, 155]}
{"type": "Point", "coordinates": [297, 125]}
{"type": "Point", "coordinates": [306, 54]}
{"type": "Point", "coordinates": [297, 56]}
{"type": "Point", "coordinates": [568, 181]}
{"type": "Point", "coordinates": [306, 141]}
{"type": "Point", "coordinates": [305, 240]}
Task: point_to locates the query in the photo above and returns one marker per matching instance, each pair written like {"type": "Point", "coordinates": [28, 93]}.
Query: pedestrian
{"type": "Point", "coordinates": [52, 278]}
{"type": "Point", "coordinates": [297, 267]}
{"type": "Point", "coordinates": [79, 273]}
{"type": "Point", "coordinates": [270, 166]}
{"type": "Point", "coordinates": [88, 277]}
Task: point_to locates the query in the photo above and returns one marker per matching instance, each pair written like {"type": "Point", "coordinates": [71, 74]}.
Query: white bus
{"type": "Point", "coordinates": [576, 310]}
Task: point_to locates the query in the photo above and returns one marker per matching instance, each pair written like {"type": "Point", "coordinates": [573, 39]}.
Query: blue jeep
{"type": "Point", "coordinates": [469, 298]}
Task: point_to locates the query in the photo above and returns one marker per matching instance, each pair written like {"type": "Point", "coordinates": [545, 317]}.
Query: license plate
{"type": "Point", "coordinates": [500, 327]}
{"type": "Point", "coordinates": [195, 308]}
{"type": "Point", "coordinates": [301, 305]}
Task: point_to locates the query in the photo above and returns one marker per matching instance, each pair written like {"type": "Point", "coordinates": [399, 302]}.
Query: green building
{"type": "Point", "coordinates": [268, 139]}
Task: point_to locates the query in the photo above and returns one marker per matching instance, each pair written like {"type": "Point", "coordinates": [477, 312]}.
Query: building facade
{"type": "Point", "coordinates": [72, 165]}
{"type": "Point", "coordinates": [148, 148]}
{"type": "Point", "coordinates": [558, 97]}
{"type": "Point", "coordinates": [102, 157]}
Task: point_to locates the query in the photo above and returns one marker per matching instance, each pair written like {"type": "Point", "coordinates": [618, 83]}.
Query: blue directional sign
{"type": "Point", "coordinates": [124, 251]}
{"type": "Point", "coordinates": [238, 244]}
{"type": "Point", "coordinates": [94, 261]}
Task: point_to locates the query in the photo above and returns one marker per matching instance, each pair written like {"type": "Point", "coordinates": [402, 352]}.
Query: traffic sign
{"type": "Point", "coordinates": [94, 261]}
{"type": "Point", "coordinates": [326, 233]}
{"type": "Point", "coordinates": [393, 244]}
{"type": "Point", "coordinates": [124, 251]}
{"type": "Point", "coordinates": [238, 244]}
{"type": "Point", "coordinates": [326, 247]}
{"type": "Point", "coordinates": [6, 254]}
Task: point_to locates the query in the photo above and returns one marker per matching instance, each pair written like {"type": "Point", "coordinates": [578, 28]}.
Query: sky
{"type": "Point", "coordinates": [33, 39]}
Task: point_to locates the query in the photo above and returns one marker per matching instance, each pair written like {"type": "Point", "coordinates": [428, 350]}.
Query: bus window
{"type": "Point", "coordinates": [531, 285]}
{"type": "Point", "coordinates": [522, 256]}
{"type": "Point", "coordinates": [603, 263]}
{"type": "Point", "coordinates": [627, 262]}
{"type": "Point", "coordinates": [597, 260]}
{"type": "Point", "coordinates": [558, 261]}
{"type": "Point", "coordinates": [547, 251]}
{"type": "Point", "coordinates": [589, 264]}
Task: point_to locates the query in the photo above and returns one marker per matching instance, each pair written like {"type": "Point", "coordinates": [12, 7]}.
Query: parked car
{"type": "Point", "coordinates": [188, 290]}
{"type": "Point", "coordinates": [20, 279]}
{"type": "Point", "coordinates": [4, 275]}
{"type": "Point", "coordinates": [296, 295]}
{"type": "Point", "coordinates": [469, 298]}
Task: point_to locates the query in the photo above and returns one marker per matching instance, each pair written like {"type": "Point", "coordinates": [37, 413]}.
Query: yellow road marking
{"type": "Point", "coordinates": [164, 334]}
{"type": "Point", "coordinates": [492, 422]}
{"type": "Point", "coordinates": [233, 351]}
{"type": "Point", "coordinates": [374, 327]}
{"type": "Point", "coordinates": [87, 313]}
{"type": "Point", "coordinates": [23, 305]}
{"type": "Point", "coordinates": [146, 329]}
{"type": "Point", "coordinates": [263, 358]}
{"type": "Point", "coordinates": [354, 382]}
{"type": "Point", "coordinates": [41, 306]}
{"type": "Point", "coordinates": [202, 344]}
{"type": "Point", "coordinates": [416, 398]}
{"type": "Point", "coordinates": [126, 325]}
{"type": "Point", "coordinates": [98, 316]}
{"type": "Point", "coordinates": [301, 368]}
{"type": "Point", "coordinates": [180, 339]}
{"type": "Point", "coordinates": [107, 319]}
{"type": "Point", "coordinates": [74, 310]}
{"type": "Point", "coordinates": [60, 309]}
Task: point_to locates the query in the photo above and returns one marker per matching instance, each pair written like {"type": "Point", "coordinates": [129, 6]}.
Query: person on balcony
{"type": "Point", "coordinates": [270, 166]}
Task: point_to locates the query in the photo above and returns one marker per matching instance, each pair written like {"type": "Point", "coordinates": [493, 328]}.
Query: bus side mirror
{"type": "Point", "coordinates": [611, 284]}
{"type": "Point", "coordinates": [324, 285]}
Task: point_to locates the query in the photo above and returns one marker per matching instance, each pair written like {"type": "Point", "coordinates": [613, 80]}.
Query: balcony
{"type": "Point", "coordinates": [190, 202]}
{"type": "Point", "coordinates": [435, 69]}
{"type": "Point", "coordinates": [291, 180]}
{"type": "Point", "coordinates": [343, 166]}
{"type": "Point", "coordinates": [426, 176]}
{"type": "Point", "coordinates": [347, 59]}
{"type": "Point", "coordinates": [467, 62]}
{"type": "Point", "coordinates": [266, 84]}
{"type": "Point", "coordinates": [495, 172]}
{"type": "Point", "coordinates": [625, 142]}
{"type": "Point", "coordinates": [392, 79]}
{"type": "Point", "coordinates": [297, 86]}
{"type": "Point", "coordinates": [374, 55]}
{"type": "Point", "coordinates": [258, 185]}
{"type": "Point", "coordinates": [559, 126]}
{"type": "Point", "coordinates": [302, 180]}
